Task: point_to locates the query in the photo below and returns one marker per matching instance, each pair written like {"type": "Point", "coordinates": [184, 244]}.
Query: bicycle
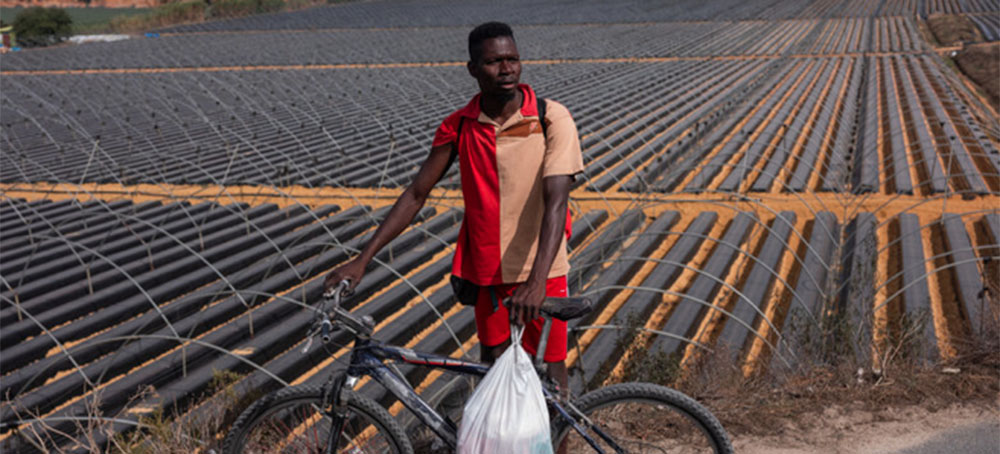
{"type": "Point", "coordinates": [621, 418]}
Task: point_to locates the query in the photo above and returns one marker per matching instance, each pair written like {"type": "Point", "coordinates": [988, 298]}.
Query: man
{"type": "Point", "coordinates": [515, 185]}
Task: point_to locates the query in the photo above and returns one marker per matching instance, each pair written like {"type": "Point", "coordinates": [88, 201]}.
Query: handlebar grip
{"type": "Point", "coordinates": [325, 329]}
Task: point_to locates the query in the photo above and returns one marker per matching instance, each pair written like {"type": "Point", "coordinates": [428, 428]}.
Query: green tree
{"type": "Point", "coordinates": [37, 26]}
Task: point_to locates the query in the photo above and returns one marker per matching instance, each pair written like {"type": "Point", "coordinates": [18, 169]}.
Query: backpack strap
{"type": "Point", "coordinates": [540, 105]}
{"type": "Point", "coordinates": [458, 139]}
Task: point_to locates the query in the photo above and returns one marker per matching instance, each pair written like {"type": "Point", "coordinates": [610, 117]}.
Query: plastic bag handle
{"type": "Point", "coordinates": [516, 331]}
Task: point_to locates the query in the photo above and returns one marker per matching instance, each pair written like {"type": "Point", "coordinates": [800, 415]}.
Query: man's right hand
{"type": "Point", "coordinates": [351, 271]}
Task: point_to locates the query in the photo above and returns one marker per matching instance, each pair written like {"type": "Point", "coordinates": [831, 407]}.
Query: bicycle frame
{"type": "Point", "coordinates": [367, 359]}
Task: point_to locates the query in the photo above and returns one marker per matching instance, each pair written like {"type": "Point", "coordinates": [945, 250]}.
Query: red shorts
{"type": "Point", "coordinates": [493, 327]}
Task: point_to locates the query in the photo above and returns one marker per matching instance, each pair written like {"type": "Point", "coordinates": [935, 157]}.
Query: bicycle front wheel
{"type": "Point", "coordinates": [643, 418]}
{"type": "Point", "coordinates": [294, 420]}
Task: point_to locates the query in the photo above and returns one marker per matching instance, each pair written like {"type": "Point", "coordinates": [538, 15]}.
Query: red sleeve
{"type": "Point", "coordinates": [447, 132]}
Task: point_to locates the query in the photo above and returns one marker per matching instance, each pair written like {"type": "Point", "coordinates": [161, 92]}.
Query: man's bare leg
{"type": "Point", "coordinates": [559, 373]}
{"type": "Point", "coordinates": [490, 354]}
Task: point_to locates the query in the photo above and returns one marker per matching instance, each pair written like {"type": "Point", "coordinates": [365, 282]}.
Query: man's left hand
{"type": "Point", "coordinates": [526, 301]}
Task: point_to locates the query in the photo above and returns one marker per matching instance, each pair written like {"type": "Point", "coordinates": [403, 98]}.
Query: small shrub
{"type": "Point", "coordinates": [270, 6]}
{"type": "Point", "coordinates": [232, 8]}
{"type": "Point", "coordinates": [37, 26]}
{"type": "Point", "coordinates": [168, 14]}
{"type": "Point", "coordinates": [240, 8]}
{"type": "Point", "coordinates": [174, 13]}
{"type": "Point", "coordinates": [295, 5]}
{"type": "Point", "coordinates": [201, 431]}
{"type": "Point", "coordinates": [651, 366]}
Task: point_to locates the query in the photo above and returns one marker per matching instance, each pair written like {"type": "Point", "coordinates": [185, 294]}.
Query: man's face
{"type": "Point", "coordinates": [498, 69]}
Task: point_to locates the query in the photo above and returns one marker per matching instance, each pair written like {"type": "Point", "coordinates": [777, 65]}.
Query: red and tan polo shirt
{"type": "Point", "coordinates": [502, 167]}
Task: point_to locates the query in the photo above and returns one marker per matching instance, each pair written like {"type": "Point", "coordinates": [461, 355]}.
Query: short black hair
{"type": "Point", "coordinates": [486, 31]}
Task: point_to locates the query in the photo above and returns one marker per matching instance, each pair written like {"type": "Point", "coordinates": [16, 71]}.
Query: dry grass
{"type": "Point", "coordinates": [829, 373]}
{"type": "Point", "coordinates": [780, 398]}
{"type": "Point", "coordinates": [981, 62]}
{"type": "Point", "coordinates": [761, 404]}
{"type": "Point", "coordinates": [953, 29]}
{"type": "Point", "coordinates": [141, 430]}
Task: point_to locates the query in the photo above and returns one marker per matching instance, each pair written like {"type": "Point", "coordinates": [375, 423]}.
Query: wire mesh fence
{"type": "Point", "coordinates": [756, 178]}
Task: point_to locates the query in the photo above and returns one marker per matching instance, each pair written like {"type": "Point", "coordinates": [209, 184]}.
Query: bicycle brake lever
{"type": "Point", "coordinates": [309, 338]}
{"type": "Point", "coordinates": [369, 322]}
{"type": "Point", "coordinates": [342, 290]}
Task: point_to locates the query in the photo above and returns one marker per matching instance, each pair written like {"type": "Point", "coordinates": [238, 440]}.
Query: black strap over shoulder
{"type": "Point", "coordinates": [458, 137]}
{"type": "Point", "coordinates": [541, 103]}
{"type": "Point", "coordinates": [540, 106]}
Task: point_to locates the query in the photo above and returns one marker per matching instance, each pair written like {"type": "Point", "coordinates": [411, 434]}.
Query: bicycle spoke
{"type": "Point", "coordinates": [305, 428]}
{"type": "Point", "coordinates": [641, 426]}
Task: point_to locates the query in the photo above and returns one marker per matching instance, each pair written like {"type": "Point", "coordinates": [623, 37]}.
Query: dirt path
{"type": "Point", "coordinates": [846, 430]}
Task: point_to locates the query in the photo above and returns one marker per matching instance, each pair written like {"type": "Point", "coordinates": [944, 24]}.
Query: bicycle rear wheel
{"type": "Point", "coordinates": [644, 418]}
{"type": "Point", "coordinates": [294, 420]}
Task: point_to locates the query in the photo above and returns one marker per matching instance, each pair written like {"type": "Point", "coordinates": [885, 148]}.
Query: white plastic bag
{"type": "Point", "coordinates": [506, 414]}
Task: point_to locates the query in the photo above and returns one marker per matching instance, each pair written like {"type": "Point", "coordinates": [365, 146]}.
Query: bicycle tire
{"type": "Point", "coordinates": [643, 417]}
{"type": "Point", "coordinates": [294, 420]}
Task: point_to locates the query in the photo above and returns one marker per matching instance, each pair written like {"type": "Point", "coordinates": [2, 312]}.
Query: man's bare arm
{"type": "Point", "coordinates": [401, 215]}
{"type": "Point", "coordinates": [529, 296]}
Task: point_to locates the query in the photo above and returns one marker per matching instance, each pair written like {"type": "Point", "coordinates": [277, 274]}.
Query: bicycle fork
{"type": "Point", "coordinates": [334, 398]}
{"type": "Point", "coordinates": [586, 427]}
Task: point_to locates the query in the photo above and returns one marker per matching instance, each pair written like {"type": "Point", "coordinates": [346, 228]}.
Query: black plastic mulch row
{"type": "Point", "coordinates": [835, 148]}
{"type": "Point", "coordinates": [964, 267]}
{"type": "Point", "coordinates": [225, 252]}
{"type": "Point", "coordinates": [778, 126]}
{"type": "Point", "coordinates": [732, 112]}
{"type": "Point", "coordinates": [664, 128]}
{"type": "Point", "coordinates": [811, 292]}
{"type": "Point", "coordinates": [279, 348]}
{"type": "Point", "coordinates": [90, 231]}
{"type": "Point", "coordinates": [269, 336]}
{"type": "Point", "coordinates": [856, 284]}
{"type": "Point", "coordinates": [916, 295]}
{"type": "Point", "coordinates": [691, 308]}
{"type": "Point", "coordinates": [687, 119]}
{"type": "Point", "coordinates": [51, 313]}
{"type": "Point", "coordinates": [782, 156]}
{"type": "Point", "coordinates": [900, 168]}
{"type": "Point", "coordinates": [43, 226]}
{"type": "Point", "coordinates": [441, 339]}
{"type": "Point", "coordinates": [936, 181]}
{"type": "Point", "coordinates": [584, 226]}
{"type": "Point", "coordinates": [609, 343]}
{"type": "Point", "coordinates": [709, 170]}
{"type": "Point", "coordinates": [591, 259]}
{"type": "Point", "coordinates": [45, 284]}
{"type": "Point", "coordinates": [179, 313]}
{"type": "Point", "coordinates": [751, 303]}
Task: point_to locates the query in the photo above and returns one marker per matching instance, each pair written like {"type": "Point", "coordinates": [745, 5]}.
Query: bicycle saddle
{"type": "Point", "coordinates": [567, 308]}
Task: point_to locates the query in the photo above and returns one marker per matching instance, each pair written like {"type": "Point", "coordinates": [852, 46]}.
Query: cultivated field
{"type": "Point", "coordinates": [759, 175]}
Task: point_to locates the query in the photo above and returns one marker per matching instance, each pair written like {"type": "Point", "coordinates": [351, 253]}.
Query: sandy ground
{"type": "Point", "coordinates": [843, 430]}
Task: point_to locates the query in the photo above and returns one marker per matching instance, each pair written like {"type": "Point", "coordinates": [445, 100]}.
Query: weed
{"type": "Point", "coordinates": [168, 14]}
{"type": "Point", "coordinates": [138, 428]}
{"type": "Point", "coordinates": [638, 363]}
{"type": "Point", "coordinates": [163, 433]}
{"type": "Point", "coordinates": [240, 8]}
{"type": "Point", "coordinates": [650, 366]}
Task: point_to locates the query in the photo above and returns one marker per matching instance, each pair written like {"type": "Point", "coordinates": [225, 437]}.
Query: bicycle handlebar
{"type": "Point", "coordinates": [359, 326]}
{"type": "Point", "coordinates": [328, 318]}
